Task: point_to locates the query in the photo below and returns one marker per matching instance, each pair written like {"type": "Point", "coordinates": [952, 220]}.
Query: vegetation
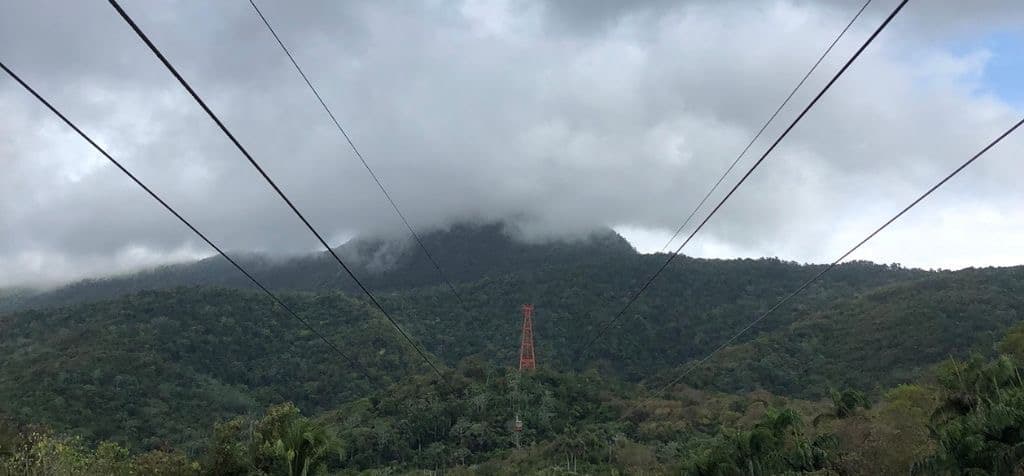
{"type": "Point", "coordinates": [876, 370]}
{"type": "Point", "coordinates": [469, 252]}
{"type": "Point", "coordinates": [153, 368]}
{"type": "Point", "coordinates": [967, 418]}
{"type": "Point", "coordinates": [878, 338]}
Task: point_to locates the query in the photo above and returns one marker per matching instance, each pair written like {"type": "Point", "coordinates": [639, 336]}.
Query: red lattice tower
{"type": "Point", "coordinates": [526, 359]}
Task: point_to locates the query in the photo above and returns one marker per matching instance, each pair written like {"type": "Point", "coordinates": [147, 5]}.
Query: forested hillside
{"type": "Point", "coordinates": [878, 339]}
{"type": "Point", "coordinates": [469, 252]}
{"type": "Point", "coordinates": [155, 366]}
{"type": "Point", "coordinates": [965, 419]}
{"type": "Point", "coordinates": [154, 369]}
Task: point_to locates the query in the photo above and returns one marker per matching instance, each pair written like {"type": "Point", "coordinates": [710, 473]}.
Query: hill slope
{"type": "Point", "coordinates": [467, 253]}
{"type": "Point", "coordinates": [158, 365]}
{"type": "Point", "coordinates": [878, 339]}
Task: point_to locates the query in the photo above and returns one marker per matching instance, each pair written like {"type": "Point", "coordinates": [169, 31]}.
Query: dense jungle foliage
{"type": "Point", "coordinates": [877, 369]}
{"type": "Point", "coordinates": [966, 417]}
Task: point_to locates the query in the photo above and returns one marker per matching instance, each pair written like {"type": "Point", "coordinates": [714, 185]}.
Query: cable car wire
{"type": "Point", "coordinates": [167, 64]}
{"type": "Point", "coordinates": [828, 268]}
{"type": "Point", "coordinates": [359, 366]}
{"type": "Point", "coordinates": [764, 126]}
{"type": "Point", "coordinates": [636, 295]}
{"type": "Point", "coordinates": [359, 155]}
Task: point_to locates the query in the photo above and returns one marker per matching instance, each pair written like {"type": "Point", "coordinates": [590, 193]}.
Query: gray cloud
{"type": "Point", "coordinates": [563, 116]}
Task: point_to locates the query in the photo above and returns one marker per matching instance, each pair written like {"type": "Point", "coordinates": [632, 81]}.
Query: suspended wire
{"type": "Point", "coordinates": [841, 258]}
{"type": "Point", "coordinates": [359, 155]}
{"type": "Point", "coordinates": [765, 126]}
{"type": "Point", "coordinates": [743, 179]}
{"type": "Point", "coordinates": [101, 150]}
{"type": "Point", "coordinates": [145, 39]}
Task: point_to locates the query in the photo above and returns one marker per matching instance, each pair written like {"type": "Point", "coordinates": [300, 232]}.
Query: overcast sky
{"type": "Point", "coordinates": [562, 116]}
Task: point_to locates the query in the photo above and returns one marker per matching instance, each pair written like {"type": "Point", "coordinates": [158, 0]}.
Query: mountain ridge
{"type": "Point", "coordinates": [109, 360]}
{"type": "Point", "coordinates": [144, 366]}
{"type": "Point", "coordinates": [465, 252]}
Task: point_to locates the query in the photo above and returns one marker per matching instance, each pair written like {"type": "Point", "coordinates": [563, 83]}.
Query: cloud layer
{"type": "Point", "coordinates": [562, 116]}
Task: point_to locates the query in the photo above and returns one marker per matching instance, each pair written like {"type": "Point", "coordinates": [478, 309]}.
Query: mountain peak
{"type": "Point", "coordinates": [465, 246]}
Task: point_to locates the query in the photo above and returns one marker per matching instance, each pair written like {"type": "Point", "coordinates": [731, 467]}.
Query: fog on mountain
{"type": "Point", "coordinates": [511, 237]}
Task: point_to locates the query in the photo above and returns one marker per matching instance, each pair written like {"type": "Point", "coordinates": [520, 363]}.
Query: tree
{"type": "Point", "coordinates": [281, 442]}
{"type": "Point", "coordinates": [844, 404]}
{"type": "Point", "coordinates": [304, 446]}
{"type": "Point", "coordinates": [775, 445]}
{"type": "Point", "coordinates": [980, 427]}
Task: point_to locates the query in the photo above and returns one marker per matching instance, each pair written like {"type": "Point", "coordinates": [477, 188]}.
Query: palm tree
{"type": "Point", "coordinates": [776, 444]}
{"type": "Point", "coordinates": [980, 424]}
{"type": "Point", "coordinates": [303, 445]}
{"type": "Point", "coordinates": [844, 404]}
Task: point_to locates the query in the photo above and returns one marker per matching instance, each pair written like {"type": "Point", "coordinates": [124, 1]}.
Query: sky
{"type": "Point", "coordinates": [561, 117]}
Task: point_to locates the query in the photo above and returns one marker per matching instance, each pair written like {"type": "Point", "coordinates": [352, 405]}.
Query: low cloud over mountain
{"type": "Point", "coordinates": [561, 117]}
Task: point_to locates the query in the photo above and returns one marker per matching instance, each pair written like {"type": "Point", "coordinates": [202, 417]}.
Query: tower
{"type": "Point", "coordinates": [526, 362]}
{"type": "Point", "coordinates": [526, 359]}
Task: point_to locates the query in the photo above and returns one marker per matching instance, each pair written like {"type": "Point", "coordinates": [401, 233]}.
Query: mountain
{"type": "Point", "coordinates": [878, 339]}
{"type": "Point", "coordinates": [965, 419]}
{"type": "Point", "coordinates": [150, 368]}
{"type": "Point", "coordinates": [467, 252]}
{"type": "Point", "coordinates": [156, 365]}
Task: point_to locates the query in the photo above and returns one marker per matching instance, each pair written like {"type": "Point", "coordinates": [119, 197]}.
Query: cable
{"type": "Point", "coordinates": [765, 126]}
{"type": "Point", "coordinates": [743, 179]}
{"type": "Point", "coordinates": [843, 257]}
{"type": "Point", "coordinates": [359, 155]}
{"type": "Point", "coordinates": [242, 149]}
{"type": "Point", "coordinates": [182, 219]}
